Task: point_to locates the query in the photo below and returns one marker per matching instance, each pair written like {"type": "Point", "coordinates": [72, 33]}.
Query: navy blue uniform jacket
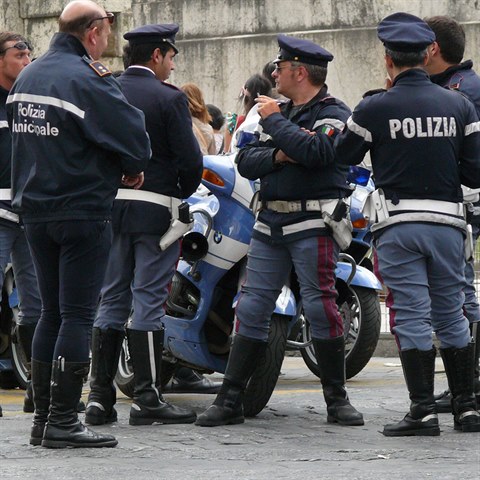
{"type": "Point", "coordinates": [73, 136]}
{"type": "Point", "coordinates": [424, 140]}
{"type": "Point", "coordinates": [316, 175]}
{"type": "Point", "coordinates": [175, 168]}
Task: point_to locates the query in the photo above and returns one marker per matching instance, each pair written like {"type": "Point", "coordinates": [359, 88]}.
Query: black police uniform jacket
{"type": "Point", "coordinates": [463, 78]}
{"type": "Point", "coordinates": [424, 140]}
{"type": "Point", "coordinates": [5, 155]}
{"type": "Point", "coordinates": [73, 136]}
{"type": "Point", "coordinates": [175, 168]}
{"type": "Point", "coordinates": [316, 175]}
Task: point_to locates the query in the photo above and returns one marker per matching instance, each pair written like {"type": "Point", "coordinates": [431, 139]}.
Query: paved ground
{"type": "Point", "coordinates": [290, 439]}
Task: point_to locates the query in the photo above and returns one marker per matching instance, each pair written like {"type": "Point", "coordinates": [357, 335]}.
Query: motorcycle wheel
{"type": "Point", "coordinates": [124, 377]}
{"type": "Point", "coordinates": [19, 364]}
{"type": "Point", "coordinates": [263, 381]}
{"type": "Point", "coordinates": [362, 318]}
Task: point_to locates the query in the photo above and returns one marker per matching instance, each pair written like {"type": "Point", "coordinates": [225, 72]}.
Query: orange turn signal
{"type": "Point", "coordinates": [360, 223]}
{"type": "Point", "coordinates": [212, 177]}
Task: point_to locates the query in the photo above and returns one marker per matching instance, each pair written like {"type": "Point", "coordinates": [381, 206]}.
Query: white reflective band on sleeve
{"type": "Point", "coordinates": [44, 100]}
{"type": "Point", "coordinates": [472, 128]}
{"type": "Point", "coordinates": [362, 132]}
{"type": "Point", "coordinates": [5, 194]}
{"type": "Point", "coordinates": [7, 215]}
{"type": "Point", "coordinates": [334, 122]}
{"type": "Point", "coordinates": [3, 124]}
{"type": "Point", "coordinates": [151, 197]}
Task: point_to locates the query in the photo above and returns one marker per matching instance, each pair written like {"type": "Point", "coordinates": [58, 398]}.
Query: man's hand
{"type": "Point", "coordinates": [267, 106]}
{"type": "Point", "coordinates": [135, 181]}
{"type": "Point", "coordinates": [281, 157]}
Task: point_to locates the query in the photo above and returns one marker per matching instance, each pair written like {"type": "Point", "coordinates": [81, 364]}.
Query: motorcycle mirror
{"type": "Point", "coordinates": [194, 247]}
{"type": "Point", "coordinates": [358, 175]}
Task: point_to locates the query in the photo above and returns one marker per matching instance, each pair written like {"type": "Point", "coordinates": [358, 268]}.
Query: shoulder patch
{"type": "Point", "coordinates": [100, 69]}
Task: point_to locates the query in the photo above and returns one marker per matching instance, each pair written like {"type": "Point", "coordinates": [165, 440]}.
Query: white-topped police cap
{"type": "Point", "coordinates": [403, 32]}
{"type": "Point", "coordinates": [300, 50]}
{"type": "Point", "coordinates": [155, 33]}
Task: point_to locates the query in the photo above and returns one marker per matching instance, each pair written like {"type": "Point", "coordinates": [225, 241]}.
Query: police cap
{"type": "Point", "coordinates": [153, 34]}
{"type": "Point", "coordinates": [300, 50]}
{"type": "Point", "coordinates": [403, 32]}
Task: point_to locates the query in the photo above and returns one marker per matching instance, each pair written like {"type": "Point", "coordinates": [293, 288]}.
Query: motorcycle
{"type": "Point", "coordinates": [200, 317]}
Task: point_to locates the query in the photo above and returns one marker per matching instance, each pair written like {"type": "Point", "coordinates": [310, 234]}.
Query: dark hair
{"type": "Point", "coordinates": [316, 73]}
{"type": "Point", "coordinates": [142, 53]}
{"type": "Point", "coordinates": [406, 59]}
{"type": "Point", "coordinates": [10, 37]}
{"type": "Point", "coordinates": [450, 37]}
{"type": "Point", "coordinates": [256, 85]}
{"type": "Point", "coordinates": [267, 71]}
{"type": "Point", "coordinates": [218, 119]}
{"type": "Point", "coordinates": [78, 26]}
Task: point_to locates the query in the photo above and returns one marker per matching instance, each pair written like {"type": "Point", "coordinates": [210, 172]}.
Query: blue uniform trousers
{"type": "Point", "coordinates": [423, 267]}
{"type": "Point", "coordinates": [70, 258]}
{"type": "Point", "coordinates": [471, 308]}
{"type": "Point", "coordinates": [268, 269]}
{"type": "Point", "coordinates": [14, 248]}
{"type": "Point", "coordinates": [137, 270]}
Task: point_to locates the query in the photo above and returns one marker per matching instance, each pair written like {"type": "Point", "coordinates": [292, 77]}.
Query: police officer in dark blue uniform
{"type": "Point", "coordinates": [138, 269]}
{"type": "Point", "coordinates": [424, 142]}
{"type": "Point", "coordinates": [300, 185]}
{"type": "Point", "coordinates": [446, 69]}
{"type": "Point", "coordinates": [73, 137]}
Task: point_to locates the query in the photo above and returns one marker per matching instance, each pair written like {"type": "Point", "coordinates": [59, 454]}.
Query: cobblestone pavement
{"type": "Point", "coordinates": [290, 439]}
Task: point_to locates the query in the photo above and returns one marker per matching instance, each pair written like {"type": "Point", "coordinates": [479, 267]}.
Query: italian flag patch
{"type": "Point", "coordinates": [328, 130]}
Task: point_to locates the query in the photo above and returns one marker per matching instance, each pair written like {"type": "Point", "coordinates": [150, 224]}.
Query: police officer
{"type": "Point", "coordinates": [73, 134]}
{"type": "Point", "coordinates": [424, 142]}
{"type": "Point", "coordinates": [15, 52]}
{"type": "Point", "coordinates": [138, 270]}
{"type": "Point", "coordinates": [446, 69]}
{"type": "Point", "coordinates": [300, 183]}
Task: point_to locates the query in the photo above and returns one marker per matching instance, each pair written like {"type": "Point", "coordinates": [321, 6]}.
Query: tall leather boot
{"type": "Point", "coordinates": [422, 419]}
{"type": "Point", "coordinates": [330, 355]}
{"type": "Point", "coordinates": [25, 337]}
{"type": "Point", "coordinates": [227, 408]}
{"type": "Point", "coordinates": [41, 376]}
{"type": "Point", "coordinates": [106, 348]}
{"type": "Point", "coordinates": [459, 367]}
{"type": "Point", "coordinates": [63, 428]}
{"type": "Point", "coordinates": [148, 405]}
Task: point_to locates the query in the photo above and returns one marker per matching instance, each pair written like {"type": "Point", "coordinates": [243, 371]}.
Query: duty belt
{"type": "Point", "coordinates": [424, 205]}
{"type": "Point", "coordinates": [5, 194]}
{"type": "Point", "coordinates": [151, 197]}
{"type": "Point", "coordinates": [292, 206]}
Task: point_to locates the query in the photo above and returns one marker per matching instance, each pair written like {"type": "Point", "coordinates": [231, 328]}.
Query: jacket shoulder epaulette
{"type": "Point", "coordinates": [98, 67]}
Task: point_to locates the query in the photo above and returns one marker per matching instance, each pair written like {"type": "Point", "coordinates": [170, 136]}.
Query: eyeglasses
{"type": "Point", "coordinates": [277, 69]}
{"type": "Point", "coordinates": [110, 17]}
{"type": "Point", "coordinates": [19, 46]}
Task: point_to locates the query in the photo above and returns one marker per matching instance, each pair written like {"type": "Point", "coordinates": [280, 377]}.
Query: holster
{"type": "Point", "coordinates": [340, 225]}
{"type": "Point", "coordinates": [180, 224]}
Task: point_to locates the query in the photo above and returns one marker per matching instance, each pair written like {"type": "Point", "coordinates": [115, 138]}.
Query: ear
{"type": "Point", "coordinates": [434, 49]}
{"type": "Point", "coordinates": [301, 72]}
{"type": "Point", "coordinates": [157, 56]}
{"type": "Point", "coordinates": [388, 62]}
{"type": "Point", "coordinates": [91, 36]}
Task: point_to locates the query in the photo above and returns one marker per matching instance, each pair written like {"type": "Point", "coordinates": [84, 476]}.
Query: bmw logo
{"type": "Point", "coordinates": [217, 237]}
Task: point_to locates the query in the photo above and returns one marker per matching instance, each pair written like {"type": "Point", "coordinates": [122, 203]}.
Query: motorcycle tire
{"type": "Point", "coordinates": [263, 381]}
{"type": "Point", "coordinates": [124, 377]}
{"type": "Point", "coordinates": [362, 316]}
{"type": "Point", "coordinates": [19, 364]}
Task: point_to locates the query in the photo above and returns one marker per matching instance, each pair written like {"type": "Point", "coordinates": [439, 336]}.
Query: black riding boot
{"type": "Point", "coordinates": [106, 348]}
{"type": "Point", "coordinates": [422, 419]}
{"type": "Point", "coordinates": [63, 428]}
{"type": "Point", "coordinates": [330, 355]}
{"type": "Point", "coordinates": [41, 376]}
{"type": "Point", "coordinates": [25, 337]}
{"type": "Point", "coordinates": [459, 367]}
{"type": "Point", "coordinates": [227, 408]}
{"type": "Point", "coordinates": [148, 405]}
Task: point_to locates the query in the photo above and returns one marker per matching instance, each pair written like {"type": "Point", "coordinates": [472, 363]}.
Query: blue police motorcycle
{"type": "Point", "coordinates": [200, 317]}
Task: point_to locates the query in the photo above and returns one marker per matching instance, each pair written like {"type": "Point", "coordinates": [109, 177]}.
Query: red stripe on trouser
{"type": "Point", "coordinates": [326, 281]}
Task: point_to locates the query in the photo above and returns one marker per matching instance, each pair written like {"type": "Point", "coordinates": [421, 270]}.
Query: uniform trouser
{"type": "Point", "coordinates": [471, 308]}
{"type": "Point", "coordinates": [14, 248]}
{"type": "Point", "coordinates": [423, 267]}
{"type": "Point", "coordinates": [268, 269]}
{"type": "Point", "coordinates": [70, 259]}
{"type": "Point", "coordinates": [137, 269]}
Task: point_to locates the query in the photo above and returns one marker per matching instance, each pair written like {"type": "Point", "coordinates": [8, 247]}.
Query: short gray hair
{"type": "Point", "coordinates": [316, 73]}
{"type": "Point", "coordinates": [406, 59]}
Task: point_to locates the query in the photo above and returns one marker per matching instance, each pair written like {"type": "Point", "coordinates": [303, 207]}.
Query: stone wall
{"type": "Point", "coordinates": [223, 42]}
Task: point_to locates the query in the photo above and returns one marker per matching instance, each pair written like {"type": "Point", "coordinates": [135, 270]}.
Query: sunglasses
{"type": "Point", "coordinates": [18, 46]}
{"type": "Point", "coordinates": [110, 17]}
